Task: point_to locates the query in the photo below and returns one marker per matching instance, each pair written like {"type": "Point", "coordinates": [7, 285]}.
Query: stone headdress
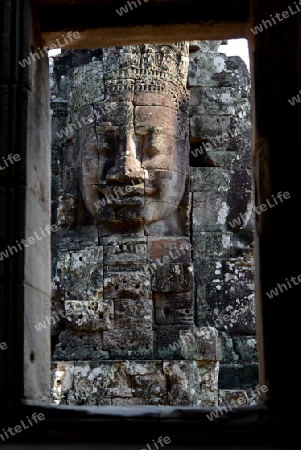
{"type": "Point", "coordinates": [158, 69]}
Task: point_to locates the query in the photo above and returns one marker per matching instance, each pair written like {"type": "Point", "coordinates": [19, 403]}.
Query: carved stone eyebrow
{"type": "Point", "coordinates": [107, 126]}
{"type": "Point", "coordinates": [141, 131]}
{"type": "Point", "coordinates": [151, 131]}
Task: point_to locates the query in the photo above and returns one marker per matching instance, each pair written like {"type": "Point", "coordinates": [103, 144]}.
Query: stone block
{"type": "Point", "coordinates": [216, 109]}
{"type": "Point", "coordinates": [229, 308]}
{"type": "Point", "coordinates": [88, 85]}
{"type": "Point", "coordinates": [128, 343]}
{"type": "Point", "coordinates": [176, 225]}
{"type": "Point", "coordinates": [81, 274]}
{"type": "Point", "coordinates": [241, 180]}
{"type": "Point", "coordinates": [62, 378]}
{"type": "Point", "coordinates": [101, 380]}
{"type": "Point", "coordinates": [90, 315]}
{"type": "Point", "coordinates": [118, 213]}
{"type": "Point", "coordinates": [134, 313]}
{"type": "Point", "coordinates": [78, 354]}
{"type": "Point", "coordinates": [125, 253]}
{"type": "Point", "coordinates": [75, 399]}
{"type": "Point", "coordinates": [228, 354]}
{"type": "Point", "coordinates": [230, 270]}
{"type": "Point", "coordinates": [209, 305]}
{"type": "Point", "coordinates": [227, 155]}
{"type": "Point", "coordinates": [240, 300]}
{"type": "Point", "coordinates": [238, 376]}
{"type": "Point", "coordinates": [214, 100]}
{"type": "Point", "coordinates": [210, 179]}
{"type": "Point", "coordinates": [234, 74]}
{"type": "Point", "coordinates": [183, 379]}
{"type": "Point", "coordinates": [168, 341]}
{"type": "Point", "coordinates": [240, 270]}
{"type": "Point", "coordinates": [210, 211]}
{"type": "Point", "coordinates": [240, 201]}
{"type": "Point", "coordinates": [246, 348]}
{"type": "Point", "coordinates": [208, 374]}
{"type": "Point", "coordinates": [121, 383]}
{"type": "Point", "coordinates": [133, 285]}
{"type": "Point", "coordinates": [75, 346]}
{"type": "Point", "coordinates": [212, 244]}
{"type": "Point", "coordinates": [142, 368]}
{"type": "Point", "coordinates": [199, 344]}
{"type": "Point", "coordinates": [207, 270]}
{"type": "Point", "coordinates": [178, 250]}
{"type": "Point", "coordinates": [232, 398]}
{"type": "Point", "coordinates": [127, 401]}
{"type": "Point", "coordinates": [173, 278]}
{"type": "Point", "coordinates": [207, 126]}
{"type": "Point", "coordinates": [150, 386]}
{"type": "Point", "coordinates": [125, 383]}
{"type": "Point", "coordinates": [172, 309]}
{"type": "Point", "coordinates": [148, 98]}
{"type": "Point", "coordinates": [222, 244]}
{"type": "Point", "coordinates": [203, 67]}
{"type": "Point", "coordinates": [77, 239]}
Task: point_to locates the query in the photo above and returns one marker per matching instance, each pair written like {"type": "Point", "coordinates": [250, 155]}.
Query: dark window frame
{"type": "Point", "coordinates": [185, 425]}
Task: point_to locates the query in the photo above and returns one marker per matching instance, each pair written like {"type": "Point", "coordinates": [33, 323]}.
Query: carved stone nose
{"type": "Point", "coordinates": [127, 166]}
{"type": "Point", "coordinates": [125, 169]}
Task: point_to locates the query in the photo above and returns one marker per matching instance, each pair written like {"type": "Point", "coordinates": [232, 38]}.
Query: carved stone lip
{"type": "Point", "coordinates": [119, 191]}
{"type": "Point", "coordinates": [150, 192]}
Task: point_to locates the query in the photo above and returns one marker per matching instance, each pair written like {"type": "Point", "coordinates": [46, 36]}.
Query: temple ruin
{"type": "Point", "coordinates": [153, 271]}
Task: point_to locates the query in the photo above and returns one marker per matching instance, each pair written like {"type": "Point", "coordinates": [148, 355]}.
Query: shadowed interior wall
{"type": "Point", "coordinates": [25, 192]}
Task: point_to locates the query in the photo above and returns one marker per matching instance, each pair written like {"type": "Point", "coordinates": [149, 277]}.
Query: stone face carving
{"type": "Point", "coordinates": [134, 156]}
{"type": "Point", "coordinates": [129, 297]}
{"type": "Point", "coordinates": [141, 177]}
{"type": "Point", "coordinates": [128, 208]}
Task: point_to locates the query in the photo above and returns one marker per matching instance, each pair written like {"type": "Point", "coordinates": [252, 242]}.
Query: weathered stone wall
{"type": "Point", "coordinates": [187, 382]}
{"type": "Point", "coordinates": [221, 192]}
{"type": "Point", "coordinates": [115, 297]}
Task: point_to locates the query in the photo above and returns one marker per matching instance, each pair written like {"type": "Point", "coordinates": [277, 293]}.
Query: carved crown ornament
{"type": "Point", "coordinates": [157, 69]}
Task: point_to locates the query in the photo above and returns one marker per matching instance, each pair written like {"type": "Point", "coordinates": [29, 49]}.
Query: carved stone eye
{"type": "Point", "coordinates": [149, 146]}
{"type": "Point", "coordinates": [151, 151]}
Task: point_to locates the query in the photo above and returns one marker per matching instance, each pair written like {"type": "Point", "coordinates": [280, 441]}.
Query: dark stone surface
{"type": "Point", "coordinates": [238, 376]}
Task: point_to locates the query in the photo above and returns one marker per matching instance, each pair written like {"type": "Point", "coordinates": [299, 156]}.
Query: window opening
{"type": "Point", "coordinates": [153, 271]}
